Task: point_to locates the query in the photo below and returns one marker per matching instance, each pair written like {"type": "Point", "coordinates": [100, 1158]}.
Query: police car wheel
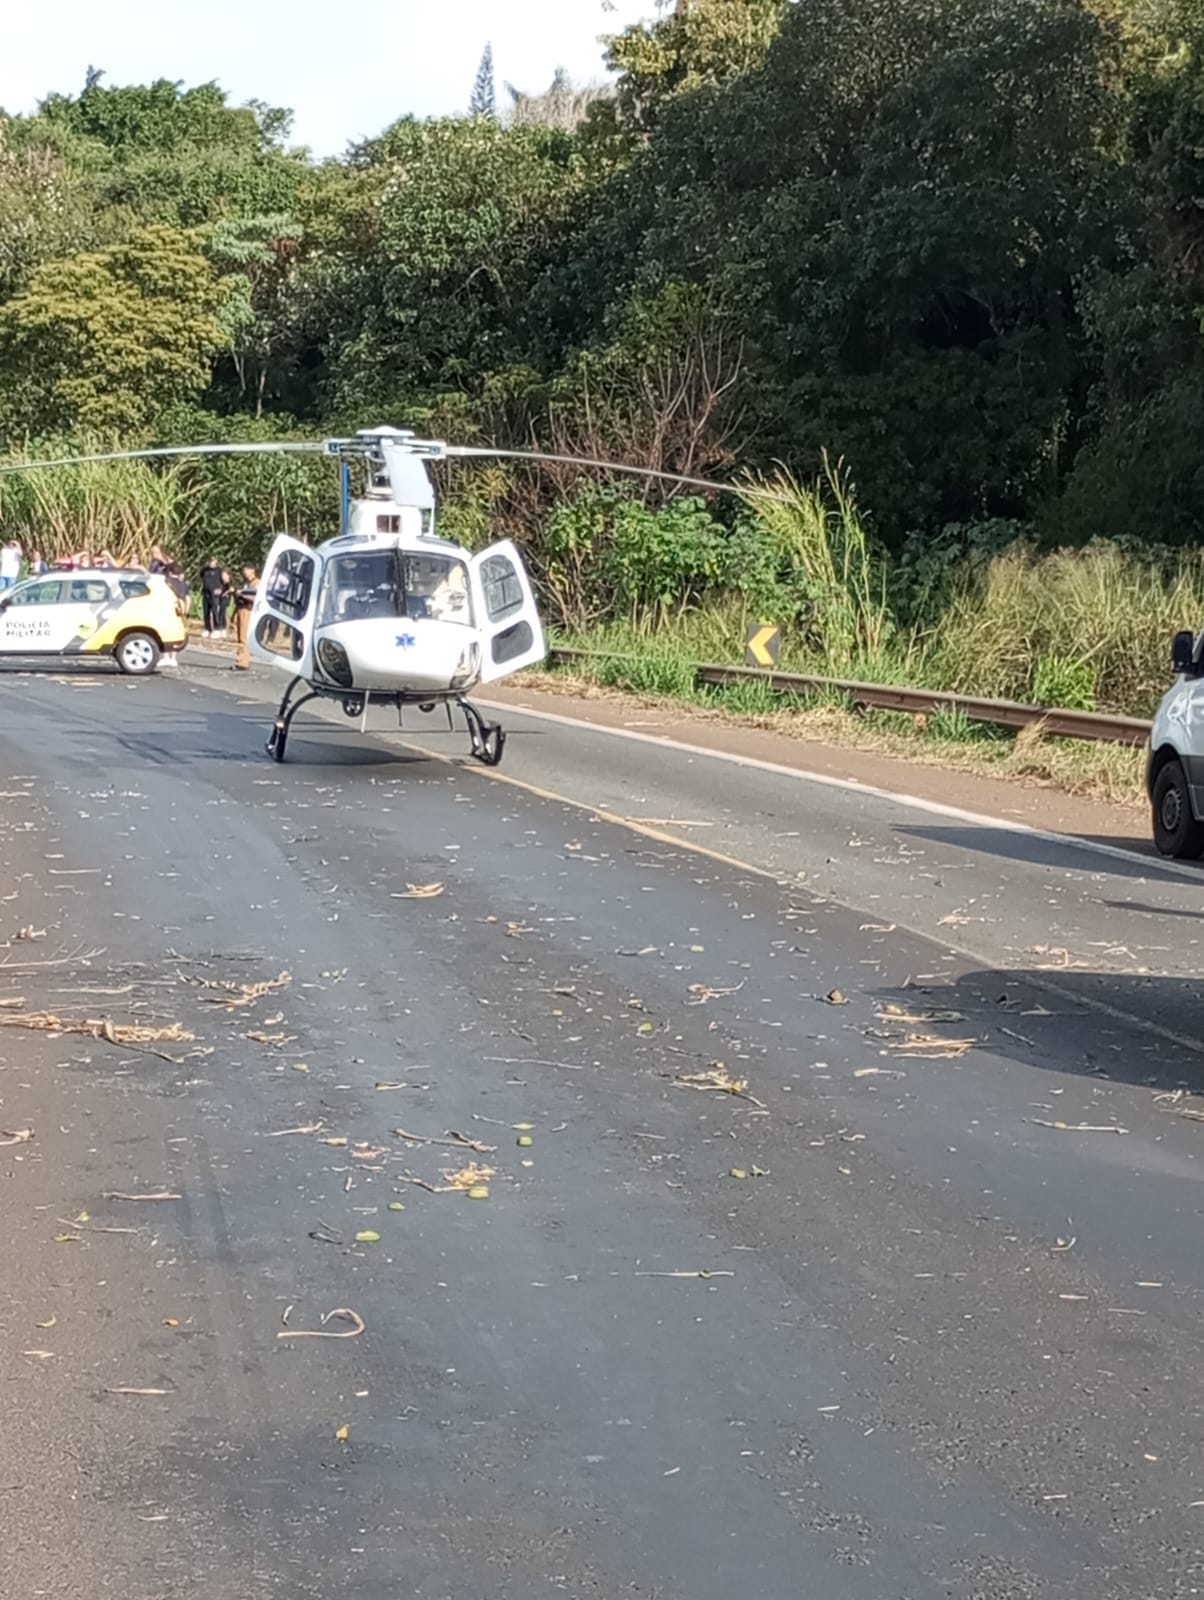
{"type": "Point", "coordinates": [137, 654]}
{"type": "Point", "coordinates": [1176, 831]}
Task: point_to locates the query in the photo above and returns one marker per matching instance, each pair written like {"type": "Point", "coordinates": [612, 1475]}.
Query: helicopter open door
{"type": "Point", "coordinates": [511, 632]}
{"type": "Point", "coordinates": [282, 621]}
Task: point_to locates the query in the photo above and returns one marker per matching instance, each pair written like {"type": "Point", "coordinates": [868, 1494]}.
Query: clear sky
{"type": "Point", "coordinates": [346, 70]}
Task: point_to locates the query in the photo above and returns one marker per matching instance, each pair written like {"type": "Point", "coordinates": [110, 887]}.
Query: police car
{"type": "Point", "coordinates": [129, 615]}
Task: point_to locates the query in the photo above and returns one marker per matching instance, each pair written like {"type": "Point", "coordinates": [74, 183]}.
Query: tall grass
{"type": "Point", "coordinates": [120, 506]}
{"type": "Point", "coordinates": [1087, 628]}
{"type": "Point", "coordinates": [823, 542]}
{"type": "Point", "coordinates": [1096, 623]}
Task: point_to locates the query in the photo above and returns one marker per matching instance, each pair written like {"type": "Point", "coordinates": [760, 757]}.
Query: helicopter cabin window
{"type": "Point", "coordinates": [503, 591]}
{"type": "Point", "coordinates": [281, 638]}
{"type": "Point", "coordinates": [393, 584]}
{"type": "Point", "coordinates": [290, 583]}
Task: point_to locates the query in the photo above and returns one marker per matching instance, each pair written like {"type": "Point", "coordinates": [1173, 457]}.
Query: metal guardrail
{"type": "Point", "coordinates": [1057, 721]}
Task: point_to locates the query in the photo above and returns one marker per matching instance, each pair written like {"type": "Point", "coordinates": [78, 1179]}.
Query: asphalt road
{"type": "Point", "coordinates": [929, 1346]}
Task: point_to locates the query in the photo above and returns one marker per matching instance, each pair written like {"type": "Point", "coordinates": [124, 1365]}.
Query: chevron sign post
{"type": "Point", "coordinates": [762, 644]}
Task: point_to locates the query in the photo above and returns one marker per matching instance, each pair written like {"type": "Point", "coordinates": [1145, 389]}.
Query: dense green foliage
{"type": "Point", "coordinates": [956, 244]}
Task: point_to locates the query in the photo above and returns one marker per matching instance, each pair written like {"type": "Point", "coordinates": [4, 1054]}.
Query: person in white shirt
{"type": "Point", "coordinates": [10, 564]}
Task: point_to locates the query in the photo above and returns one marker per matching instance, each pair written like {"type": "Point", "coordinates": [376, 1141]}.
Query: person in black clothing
{"type": "Point", "coordinates": [178, 584]}
{"type": "Point", "coordinates": [214, 589]}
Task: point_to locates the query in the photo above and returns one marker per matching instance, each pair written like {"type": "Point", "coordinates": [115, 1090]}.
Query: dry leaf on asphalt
{"type": "Point", "coordinates": [702, 992]}
{"type": "Point", "coordinates": [343, 1312]}
{"type": "Point", "coordinates": [162, 1194]}
{"type": "Point", "coordinates": [458, 1140]}
{"type": "Point", "coordinates": [98, 1028]}
{"type": "Point", "coordinates": [15, 1135]}
{"type": "Point", "coordinates": [719, 1080]}
{"type": "Point", "coordinates": [418, 891]}
{"type": "Point", "coordinates": [929, 1047]}
{"type": "Point", "coordinates": [898, 1014]}
{"type": "Point", "coordinates": [1077, 1127]}
{"type": "Point", "coordinates": [1175, 1100]}
{"type": "Point", "coordinates": [702, 1272]}
{"type": "Point", "coordinates": [235, 996]}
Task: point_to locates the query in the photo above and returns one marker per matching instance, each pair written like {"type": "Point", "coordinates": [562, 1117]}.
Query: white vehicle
{"type": "Point", "coordinates": [1175, 769]}
{"type": "Point", "coordinates": [387, 611]}
{"type": "Point", "coordinates": [129, 615]}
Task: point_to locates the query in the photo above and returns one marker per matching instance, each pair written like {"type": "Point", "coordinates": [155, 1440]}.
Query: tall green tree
{"type": "Point", "coordinates": [449, 232]}
{"type": "Point", "coordinates": [256, 257]}
{"type": "Point", "coordinates": [164, 153]}
{"type": "Point", "coordinates": [101, 343]}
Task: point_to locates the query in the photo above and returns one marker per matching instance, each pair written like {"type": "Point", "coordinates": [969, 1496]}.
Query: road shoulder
{"type": "Point", "coordinates": [1036, 805]}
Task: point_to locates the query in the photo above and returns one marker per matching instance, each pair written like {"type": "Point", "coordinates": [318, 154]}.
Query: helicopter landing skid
{"type": "Point", "coordinates": [278, 738]}
{"type": "Point", "coordinates": [487, 739]}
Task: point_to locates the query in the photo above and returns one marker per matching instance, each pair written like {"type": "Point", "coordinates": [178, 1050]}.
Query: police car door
{"type": "Point", "coordinates": [84, 606]}
{"type": "Point", "coordinates": [282, 619]}
{"type": "Point", "coordinates": [32, 621]}
{"type": "Point", "coordinates": [507, 618]}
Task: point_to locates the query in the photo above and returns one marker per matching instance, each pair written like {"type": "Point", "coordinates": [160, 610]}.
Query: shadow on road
{"type": "Point", "coordinates": [96, 666]}
{"type": "Point", "coordinates": [1014, 844]}
{"type": "Point", "coordinates": [1118, 1027]}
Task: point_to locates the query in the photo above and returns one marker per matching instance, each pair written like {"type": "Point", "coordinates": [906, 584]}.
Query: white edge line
{"type": "Point", "coordinates": [1158, 868]}
{"type": "Point", "coordinates": [1038, 979]}
{"type": "Point", "coordinates": [851, 785]}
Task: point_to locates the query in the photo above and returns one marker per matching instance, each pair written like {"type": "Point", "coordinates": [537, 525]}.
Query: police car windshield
{"type": "Point", "coordinates": [392, 584]}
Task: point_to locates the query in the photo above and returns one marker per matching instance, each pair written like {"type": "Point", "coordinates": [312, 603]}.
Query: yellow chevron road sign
{"type": "Point", "coordinates": [762, 644]}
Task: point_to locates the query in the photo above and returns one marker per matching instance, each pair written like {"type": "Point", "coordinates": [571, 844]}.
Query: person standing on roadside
{"type": "Point", "coordinates": [244, 600]}
{"type": "Point", "coordinates": [213, 599]}
{"type": "Point", "coordinates": [37, 564]}
{"type": "Point", "coordinates": [10, 563]}
{"type": "Point", "coordinates": [178, 584]}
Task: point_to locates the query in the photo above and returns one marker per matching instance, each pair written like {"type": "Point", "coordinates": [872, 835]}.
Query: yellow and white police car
{"type": "Point", "coordinates": [129, 615]}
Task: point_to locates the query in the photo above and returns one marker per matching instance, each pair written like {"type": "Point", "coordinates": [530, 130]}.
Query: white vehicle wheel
{"type": "Point", "coordinates": [137, 654]}
{"type": "Point", "coordinates": [1176, 831]}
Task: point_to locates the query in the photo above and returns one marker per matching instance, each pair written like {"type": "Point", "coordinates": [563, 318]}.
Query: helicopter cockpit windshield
{"type": "Point", "coordinates": [393, 584]}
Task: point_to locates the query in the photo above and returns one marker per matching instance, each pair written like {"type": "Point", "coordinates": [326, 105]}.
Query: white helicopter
{"type": "Point", "coordinates": [386, 612]}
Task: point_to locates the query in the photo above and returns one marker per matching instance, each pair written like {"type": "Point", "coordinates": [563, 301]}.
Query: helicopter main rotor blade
{"type": "Point", "coordinates": [393, 454]}
{"type": "Point", "coordinates": [612, 466]}
{"type": "Point", "coordinates": [292, 446]}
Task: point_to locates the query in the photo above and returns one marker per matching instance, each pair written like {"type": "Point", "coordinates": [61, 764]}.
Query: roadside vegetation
{"type": "Point", "coordinates": [929, 273]}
